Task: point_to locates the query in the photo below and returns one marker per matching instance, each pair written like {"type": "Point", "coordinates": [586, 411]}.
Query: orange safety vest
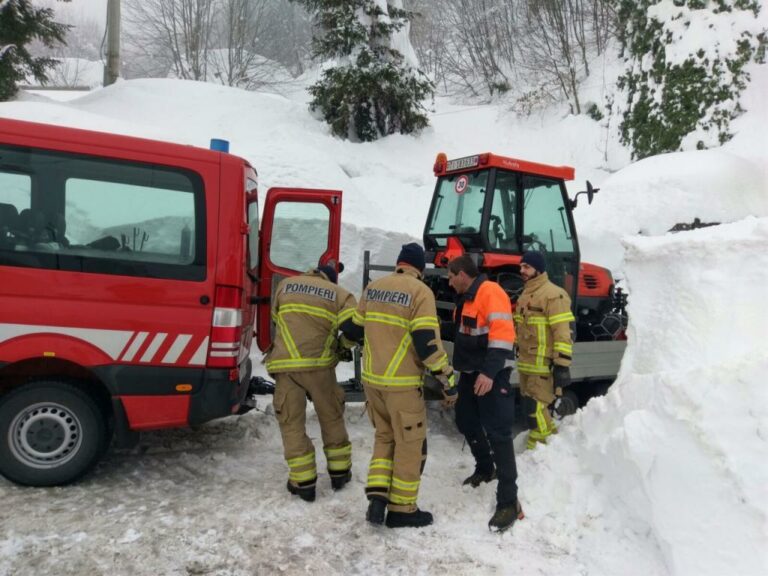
{"type": "Point", "coordinates": [485, 332]}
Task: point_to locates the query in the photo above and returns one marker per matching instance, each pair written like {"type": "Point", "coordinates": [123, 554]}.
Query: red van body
{"type": "Point", "coordinates": [133, 274]}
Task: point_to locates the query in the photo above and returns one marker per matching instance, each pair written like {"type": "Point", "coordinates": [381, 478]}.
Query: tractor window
{"type": "Point", "coordinates": [502, 225]}
{"type": "Point", "coordinates": [547, 228]}
{"type": "Point", "coordinates": [458, 206]}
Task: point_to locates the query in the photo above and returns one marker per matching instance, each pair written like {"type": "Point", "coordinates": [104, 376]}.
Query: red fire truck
{"type": "Point", "coordinates": [132, 275]}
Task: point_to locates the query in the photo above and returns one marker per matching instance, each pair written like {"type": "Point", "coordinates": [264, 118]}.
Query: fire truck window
{"type": "Point", "coordinates": [501, 226]}
{"type": "Point", "coordinates": [94, 215]}
{"type": "Point", "coordinates": [15, 189]}
{"type": "Point", "coordinates": [299, 235]}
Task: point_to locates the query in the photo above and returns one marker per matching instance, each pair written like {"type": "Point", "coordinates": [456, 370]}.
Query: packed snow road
{"type": "Point", "coordinates": [213, 501]}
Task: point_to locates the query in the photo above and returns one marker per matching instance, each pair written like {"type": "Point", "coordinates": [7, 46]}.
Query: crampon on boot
{"type": "Point", "coordinates": [505, 517]}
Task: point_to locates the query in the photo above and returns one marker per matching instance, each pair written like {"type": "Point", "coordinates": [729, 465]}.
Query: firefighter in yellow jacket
{"type": "Point", "coordinates": [307, 311]}
{"type": "Point", "coordinates": [545, 348]}
{"type": "Point", "coordinates": [397, 320]}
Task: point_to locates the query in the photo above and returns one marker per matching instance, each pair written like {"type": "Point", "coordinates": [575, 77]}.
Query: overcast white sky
{"type": "Point", "coordinates": [78, 9]}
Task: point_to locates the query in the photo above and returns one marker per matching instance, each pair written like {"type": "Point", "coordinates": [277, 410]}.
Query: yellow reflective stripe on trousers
{"type": "Point", "coordinates": [394, 381]}
{"type": "Point", "coordinates": [406, 486]}
{"type": "Point", "coordinates": [307, 309]}
{"type": "Point", "coordinates": [301, 363]}
{"type": "Point", "coordinates": [397, 359]}
{"type": "Point", "coordinates": [293, 352]}
{"type": "Point", "coordinates": [303, 476]}
{"type": "Point", "coordinates": [343, 451]}
{"type": "Point", "coordinates": [402, 500]}
{"type": "Point", "coordinates": [378, 481]}
{"type": "Point", "coordinates": [301, 460]}
{"type": "Point", "coordinates": [526, 368]}
{"type": "Point", "coordinates": [541, 422]}
{"type": "Point", "coordinates": [390, 319]}
{"type": "Point", "coordinates": [563, 317]}
{"type": "Point", "coordinates": [382, 463]}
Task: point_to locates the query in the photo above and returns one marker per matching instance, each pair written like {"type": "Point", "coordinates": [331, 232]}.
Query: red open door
{"type": "Point", "coordinates": [300, 228]}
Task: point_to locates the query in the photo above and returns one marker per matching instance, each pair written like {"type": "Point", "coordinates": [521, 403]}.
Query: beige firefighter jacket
{"type": "Point", "coordinates": [307, 311]}
{"type": "Point", "coordinates": [401, 332]}
{"type": "Point", "coordinates": [542, 322]}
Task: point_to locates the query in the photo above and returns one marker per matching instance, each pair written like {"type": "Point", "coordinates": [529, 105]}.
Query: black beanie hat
{"type": "Point", "coordinates": [412, 254]}
{"type": "Point", "coordinates": [534, 260]}
{"type": "Point", "coordinates": [330, 272]}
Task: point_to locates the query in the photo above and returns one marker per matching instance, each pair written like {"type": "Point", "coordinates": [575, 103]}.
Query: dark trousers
{"type": "Point", "coordinates": [486, 423]}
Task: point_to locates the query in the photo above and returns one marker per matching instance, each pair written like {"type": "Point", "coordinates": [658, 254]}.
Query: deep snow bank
{"type": "Point", "coordinates": [678, 446]}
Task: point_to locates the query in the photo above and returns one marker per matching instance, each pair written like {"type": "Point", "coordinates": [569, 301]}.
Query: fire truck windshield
{"type": "Point", "coordinates": [458, 205]}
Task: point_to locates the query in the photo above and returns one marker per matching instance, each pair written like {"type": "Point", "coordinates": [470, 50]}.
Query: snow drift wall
{"type": "Point", "coordinates": [680, 443]}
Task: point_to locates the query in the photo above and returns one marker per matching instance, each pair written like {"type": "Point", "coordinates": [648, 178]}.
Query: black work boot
{"type": "Point", "coordinates": [480, 476]}
{"type": "Point", "coordinates": [306, 493]}
{"type": "Point", "coordinates": [339, 481]}
{"type": "Point", "coordinates": [415, 519]}
{"type": "Point", "coordinates": [505, 516]}
{"type": "Point", "coordinates": [377, 507]}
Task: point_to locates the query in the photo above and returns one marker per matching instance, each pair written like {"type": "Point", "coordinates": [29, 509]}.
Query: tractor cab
{"type": "Point", "coordinates": [496, 208]}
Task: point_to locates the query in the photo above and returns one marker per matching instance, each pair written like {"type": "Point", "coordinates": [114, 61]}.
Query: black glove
{"type": "Point", "coordinates": [561, 376]}
{"type": "Point", "coordinates": [344, 354]}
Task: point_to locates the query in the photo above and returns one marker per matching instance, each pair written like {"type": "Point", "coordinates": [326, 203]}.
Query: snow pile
{"type": "Point", "coordinates": [677, 445]}
{"type": "Point", "coordinates": [652, 195]}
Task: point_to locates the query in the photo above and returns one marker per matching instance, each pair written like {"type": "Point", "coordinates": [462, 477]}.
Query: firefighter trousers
{"type": "Point", "coordinates": [290, 402]}
{"type": "Point", "coordinates": [399, 417]}
{"type": "Point", "coordinates": [486, 423]}
{"type": "Point", "coordinates": [538, 394]}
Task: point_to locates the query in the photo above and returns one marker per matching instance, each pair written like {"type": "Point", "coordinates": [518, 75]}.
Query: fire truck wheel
{"type": "Point", "coordinates": [51, 433]}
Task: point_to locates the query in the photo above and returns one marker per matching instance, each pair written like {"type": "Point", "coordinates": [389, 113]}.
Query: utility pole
{"type": "Point", "coordinates": [112, 69]}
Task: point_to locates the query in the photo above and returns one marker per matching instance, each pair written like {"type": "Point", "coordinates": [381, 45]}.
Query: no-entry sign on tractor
{"type": "Point", "coordinates": [462, 183]}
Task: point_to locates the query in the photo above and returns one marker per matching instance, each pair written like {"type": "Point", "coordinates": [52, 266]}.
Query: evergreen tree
{"type": "Point", "coordinates": [673, 100]}
{"type": "Point", "coordinates": [20, 24]}
{"type": "Point", "coordinates": [369, 89]}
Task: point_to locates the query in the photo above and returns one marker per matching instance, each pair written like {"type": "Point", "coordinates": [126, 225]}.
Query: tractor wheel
{"type": "Point", "coordinates": [51, 433]}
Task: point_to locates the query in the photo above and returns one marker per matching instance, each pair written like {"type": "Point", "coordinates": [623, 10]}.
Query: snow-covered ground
{"type": "Point", "coordinates": [666, 474]}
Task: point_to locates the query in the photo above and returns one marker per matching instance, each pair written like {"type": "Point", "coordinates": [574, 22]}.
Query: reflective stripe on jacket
{"type": "Point", "coordinates": [485, 333]}
{"type": "Point", "coordinates": [397, 319]}
{"type": "Point", "coordinates": [542, 318]}
{"type": "Point", "coordinates": [307, 311]}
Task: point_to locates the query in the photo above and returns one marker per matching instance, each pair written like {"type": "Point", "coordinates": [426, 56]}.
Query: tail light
{"type": "Point", "coordinates": [226, 328]}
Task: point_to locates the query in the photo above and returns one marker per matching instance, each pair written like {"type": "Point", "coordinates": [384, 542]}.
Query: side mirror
{"type": "Point", "coordinates": [590, 192]}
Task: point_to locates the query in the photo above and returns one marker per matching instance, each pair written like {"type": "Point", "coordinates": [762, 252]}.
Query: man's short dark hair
{"type": "Point", "coordinates": [464, 263]}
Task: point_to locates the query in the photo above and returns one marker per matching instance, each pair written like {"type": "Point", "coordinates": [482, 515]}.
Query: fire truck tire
{"type": "Point", "coordinates": [51, 433]}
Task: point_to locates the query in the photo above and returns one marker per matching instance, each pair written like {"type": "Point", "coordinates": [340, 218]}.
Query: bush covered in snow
{"type": "Point", "coordinates": [685, 72]}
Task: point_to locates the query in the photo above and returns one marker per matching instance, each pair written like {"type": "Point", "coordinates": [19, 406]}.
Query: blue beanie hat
{"type": "Point", "coordinates": [412, 254]}
{"type": "Point", "coordinates": [534, 260]}
{"type": "Point", "coordinates": [330, 272]}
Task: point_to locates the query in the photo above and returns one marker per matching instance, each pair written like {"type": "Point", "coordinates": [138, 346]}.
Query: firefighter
{"type": "Point", "coordinates": [545, 348]}
{"type": "Point", "coordinates": [483, 351]}
{"type": "Point", "coordinates": [397, 321]}
{"type": "Point", "coordinates": [307, 311]}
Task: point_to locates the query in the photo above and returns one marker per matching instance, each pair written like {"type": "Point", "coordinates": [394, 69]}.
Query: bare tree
{"type": "Point", "coordinates": [178, 31]}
